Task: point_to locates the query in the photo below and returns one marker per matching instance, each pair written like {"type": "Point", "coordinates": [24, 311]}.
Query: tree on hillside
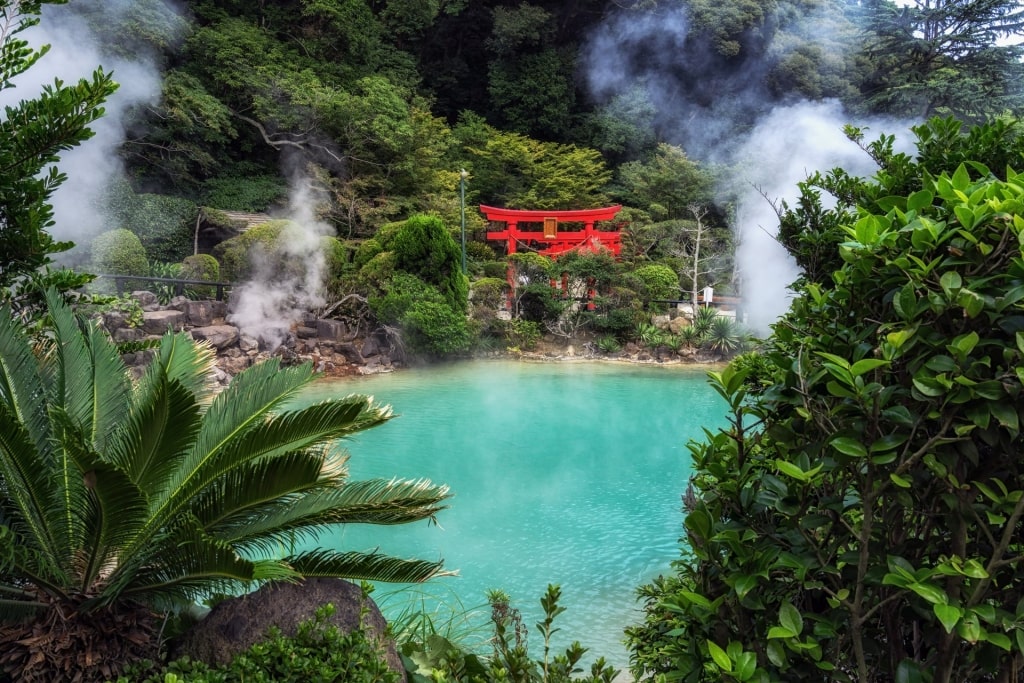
{"type": "Point", "coordinates": [861, 519]}
{"type": "Point", "coordinates": [33, 133]}
{"type": "Point", "coordinates": [941, 57]}
{"type": "Point", "coordinates": [121, 499]}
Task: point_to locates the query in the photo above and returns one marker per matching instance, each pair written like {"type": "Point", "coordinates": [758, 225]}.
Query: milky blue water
{"type": "Point", "coordinates": [567, 473]}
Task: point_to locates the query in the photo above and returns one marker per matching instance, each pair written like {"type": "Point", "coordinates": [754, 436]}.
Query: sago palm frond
{"type": "Point", "coordinates": [154, 493]}
{"type": "Point", "coordinates": [365, 566]}
{"type": "Point", "coordinates": [377, 501]}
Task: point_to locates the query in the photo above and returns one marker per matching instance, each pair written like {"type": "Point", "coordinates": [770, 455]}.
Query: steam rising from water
{"type": "Point", "coordinates": [287, 281]}
{"type": "Point", "coordinates": [728, 118]}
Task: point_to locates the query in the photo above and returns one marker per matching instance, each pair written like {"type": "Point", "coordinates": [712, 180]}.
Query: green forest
{"type": "Point", "coordinates": [860, 518]}
{"type": "Point", "coordinates": [380, 111]}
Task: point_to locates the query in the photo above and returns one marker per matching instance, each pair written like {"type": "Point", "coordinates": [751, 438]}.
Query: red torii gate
{"type": "Point", "coordinates": [557, 241]}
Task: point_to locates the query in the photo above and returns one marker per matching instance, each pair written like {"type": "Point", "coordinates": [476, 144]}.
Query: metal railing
{"type": "Point", "coordinates": [179, 284]}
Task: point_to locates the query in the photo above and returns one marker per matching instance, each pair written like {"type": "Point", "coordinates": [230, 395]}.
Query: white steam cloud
{"type": "Point", "coordinates": [727, 117]}
{"type": "Point", "coordinates": [287, 281]}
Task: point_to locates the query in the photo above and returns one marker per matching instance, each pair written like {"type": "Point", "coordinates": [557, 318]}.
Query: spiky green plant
{"type": "Point", "coordinates": [117, 499]}
{"type": "Point", "coordinates": [724, 336]}
{"type": "Point", "coordinates": [703, 318]}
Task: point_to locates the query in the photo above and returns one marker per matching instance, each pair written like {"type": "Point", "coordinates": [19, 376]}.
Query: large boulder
{"type": "Point", "coordinates": [220, 336]}
{"type": "Point", "coordinates": [159, 322]}
{"type": "Point", "coordinates": [236, 624]}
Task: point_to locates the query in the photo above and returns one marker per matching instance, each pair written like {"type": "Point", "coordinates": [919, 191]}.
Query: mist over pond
{"type": "Point", "coordinates": [562, 473]}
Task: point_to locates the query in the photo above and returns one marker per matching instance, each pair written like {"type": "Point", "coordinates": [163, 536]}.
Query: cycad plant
{"type": "Point", "coordinates": [118, 499]}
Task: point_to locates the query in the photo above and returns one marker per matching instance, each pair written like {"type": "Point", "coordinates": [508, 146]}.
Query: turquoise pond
{"type": "Point", "coordinates": [567, 473]}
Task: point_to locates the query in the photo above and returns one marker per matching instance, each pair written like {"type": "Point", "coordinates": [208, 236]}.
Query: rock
{"type": "Point", "coordinates": [158, 322]}
{"type": "Point", "coordinates": [370, 347]}
{"type": "Point", "coordinates": [236, 624]}
{"type": "Point", "coordinates": [201, 313]}
{"type": "Point", "coordinates": [677, 325]}
{"type": "Point", "coordinates": [350, 352]}
{"type": "Point", "coordinates": [146, 299]}
{"type": "Point", "coordinates": [220, 336]}
{"type": "Point", "coordinates": [303, 332]}
{"type": "Point", "coordinates": [127, 334]}
{"type": "Point", "coordinates": [331, 330]}
{"type": "Point", "coordinates": [661, 321]}
{"type": "Point", "coordinates": [247, 343]}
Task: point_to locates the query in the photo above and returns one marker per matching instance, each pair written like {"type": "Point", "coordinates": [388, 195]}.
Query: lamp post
{"type": "Point", "coordinates": [462, 208]}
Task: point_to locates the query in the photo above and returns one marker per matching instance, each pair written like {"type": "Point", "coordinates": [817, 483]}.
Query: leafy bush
{"type": "Point", "coordinates": [235, 254]}
{"type": "Point", "coordinates": [165, 224]}
{"type": "Point", "coordinates": [400, 293]}
{"type": "Point", "coordinates": [201, 267]}
{"type": "Point", "coordinates": [252, 193]}
{"type": "Point", "coordinates": [522, 334]}
{"type": "Point", "coordinates": [319, 652]}
{"type": "Point", "coordinates": [119, 252]}
{"type": "Point", "coordinates": [608, 344]}
{"type": "Point", "coordinates": [860, 519]}
{"type": "Point", "coordinates": [165, 291]}
{"type": "Point", "coordinates": [489, 292]}
{"type": "Point", "coordinates": [424, 248]}
{"type": "Point", "coordinates": [432, 328]}
{"type": "Point", "coordinates": [657, 282]}
{"type": "Point", "coordinates": [496, 269]}
{"type": "Point", "coordinates": [437, 658]}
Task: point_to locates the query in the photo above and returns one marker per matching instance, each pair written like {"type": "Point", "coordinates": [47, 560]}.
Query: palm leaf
{"type": "Point", "coordinates": [250, 491]}
{"type": "Point", "coordinates": [264, 528]}
{"type": "Point", "coordinates": [28, 485]}
{"type": "Point", "coordinates": [181, 567]}
{"type": "Point", "coordinates": [93, 383]}
{"type": "Point", "coordinates": [161, 430]}
{"type": "Point", "coordinates": [276, 437]}
{"type": "Point", "coordinates": [185, 360]}
{"type": "Point", "coordinates": [20, 610]}
{"type": "Point", "coordinates": [111, 511]}
{"type": "Point", "coordinates": [21, 384]}
{"type": "Point", "coordinates": [242, 406]}
{"type": "Point", "coordinates": [364, 566]}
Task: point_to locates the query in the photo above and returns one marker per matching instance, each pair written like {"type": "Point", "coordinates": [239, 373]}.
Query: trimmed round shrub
{"type": "Point", "coordinates": [657, 281]}
{"type": "Point", "coordinates": [119, 252]}
{"type": "Point", "coordinates": [235, 254]}
{"type": "Point", "coordinates": [201, 267]}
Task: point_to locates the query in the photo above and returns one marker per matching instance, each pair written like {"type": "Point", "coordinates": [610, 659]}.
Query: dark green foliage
{"type": "Point", "coordinates": [657, 282]}
{"type": "Point", "coordinates": [861, 518]}
{"type": "Point", "coordinates": [425, 248]}
{"type": "Point", "coordinates": [810, 232]}
{"type": "Point", "coordinates": [433, 329]}
{"type": "Point", "coordinates": [319, 652]}
{"type": "Point", "coordinates": [399, 293]}
{"type": "Point", "coordinates": [254, 193]}
{"type": "Point", "coordinates": [165, 224]}
{"type": "Point", "coordinates": [235, 255]}
{"type": "Point", "coordinates": [119, 252]}
{"type": "Point", "coordinates": [33, 133]}
{"type": "Point", "coordinates": [200, 267]}
{"type": "Point", "coordinates": [942, 58]}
